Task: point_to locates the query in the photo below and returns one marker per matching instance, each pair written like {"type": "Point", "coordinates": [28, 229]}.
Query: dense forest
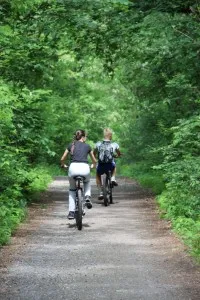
{"type": "Point", "coordinates": [130, 65]}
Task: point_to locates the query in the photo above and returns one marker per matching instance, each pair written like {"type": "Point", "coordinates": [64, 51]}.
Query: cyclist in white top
{"type": "Point", "coordinates": [105, 151]}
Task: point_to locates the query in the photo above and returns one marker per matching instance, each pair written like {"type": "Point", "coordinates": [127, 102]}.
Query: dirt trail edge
{"type": "Point", "coordinates": [124, 252]}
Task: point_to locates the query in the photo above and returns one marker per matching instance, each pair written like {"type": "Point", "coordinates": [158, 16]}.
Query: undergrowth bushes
{"type": "Point", "coordinates": [177, 196]}
{"type": "Point", "coordinates": [146, 176]}
{"type": "Point", "coordinates": [177, 181]}
{"type": "Point", "coordinates": [26, 184]}
{"type": "Point", "coordinates": [180, 203]}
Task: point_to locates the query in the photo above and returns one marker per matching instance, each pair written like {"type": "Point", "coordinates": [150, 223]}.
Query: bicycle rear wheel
{"type": "Point", "coordinates": [79, 209]}
{"type": "Point", "coordinates": [110, 191]}
{"type": "Point", "coordinates": [105, 191]}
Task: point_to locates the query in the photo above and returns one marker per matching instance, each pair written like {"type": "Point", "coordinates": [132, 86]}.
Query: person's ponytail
{"type": "Point", "coordinates": [79, 134]}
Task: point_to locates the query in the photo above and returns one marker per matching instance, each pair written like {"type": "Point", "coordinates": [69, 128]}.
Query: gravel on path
{"type": "Point", "coordinates": [124, 252]}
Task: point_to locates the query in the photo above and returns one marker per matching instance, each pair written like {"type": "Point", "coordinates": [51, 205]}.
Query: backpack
{"type": "Point", "coordinates": [105, 152]}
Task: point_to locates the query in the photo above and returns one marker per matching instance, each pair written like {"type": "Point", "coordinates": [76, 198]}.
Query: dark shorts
{"type": "Point", "coordinates": [104, 168]}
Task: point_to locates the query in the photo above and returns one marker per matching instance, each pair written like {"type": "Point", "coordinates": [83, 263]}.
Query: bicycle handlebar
{"type": "Point", "coordinates": [118, 156]}
{"type": "Point", "coordinates": [64, 166]}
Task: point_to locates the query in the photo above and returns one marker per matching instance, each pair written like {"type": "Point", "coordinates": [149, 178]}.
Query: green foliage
{"type": "Point", "coordinates": [129, 65]}
{"type": "Point", "coordinates": [147, 177]}
{"type": "Point", "coordinates": [181, 167]}
{"type": "Point", "coordinates": [11, 213]}
{"type": "Point", "coordinates": [172, 6]}
{"type": "Point", "coordinates": [37, 179]}
{"type": "Point", "coordinates": [26, 186]}
{"type": "Point", "coordinates": [189, 230]}
{"type": "Point", "coordinates": [159, 66]}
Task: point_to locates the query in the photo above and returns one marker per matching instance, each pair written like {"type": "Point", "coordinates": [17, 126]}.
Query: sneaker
{"type": "Point", "coordinates": [88, 202]}
{"type": "Point", "coordinates": [114, 183]}
{"type": "Point", "coordinates": [100, 196]}
{"type": "Point", "coordinates": [71, 215]}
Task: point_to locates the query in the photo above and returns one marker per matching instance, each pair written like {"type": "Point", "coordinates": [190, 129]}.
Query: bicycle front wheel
{"type": "Point", "coordinates": [79, 209]}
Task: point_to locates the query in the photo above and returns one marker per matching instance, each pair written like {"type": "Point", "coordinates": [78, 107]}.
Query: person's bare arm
{"type": "Point", "coordinates": [118, 152]}
{"type": "Point", "coordinates": [64, 157]}
{"type": "Point", "coordinates": [95, 153]}
{"type": "Point", "coordinates": [94, 161]}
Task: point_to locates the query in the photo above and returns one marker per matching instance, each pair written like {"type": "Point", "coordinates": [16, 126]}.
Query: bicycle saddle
{"type": "Point", "coordinates": [79, 177]}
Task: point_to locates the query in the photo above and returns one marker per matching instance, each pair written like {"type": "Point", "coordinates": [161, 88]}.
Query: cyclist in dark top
{"type": "Point", "coordinates": [79, 152]}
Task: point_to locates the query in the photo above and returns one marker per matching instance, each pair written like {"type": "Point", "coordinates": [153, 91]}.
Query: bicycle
{"type": "Point", "coordinates": [79, 202]}
{"type": "Point", "coordinates": [79, 199]}
{"type": "Point", "coordinates": [107, 188]}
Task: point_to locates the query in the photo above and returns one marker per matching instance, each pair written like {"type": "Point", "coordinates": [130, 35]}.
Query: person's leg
{"type": "Point", "coordinates": [72, 196]}
{"type": "Point", "coordinates": [114, 172]}
{"type": "Point", "coordinates": [87, 189]}
{"type": "Point", "coordinates": [72, 190]}
{"type": "Point", "coordinates": [87, 185]}
{"type": "Point", "coordinates": [98, 181]}
{"type": "Point", "coordinates": [113, 175]}
{"type": "Point", "coordinates": [84, 170]}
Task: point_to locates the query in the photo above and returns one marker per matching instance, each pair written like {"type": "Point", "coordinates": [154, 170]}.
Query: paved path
{"type": "Point", "coordinates": [124, 252]}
